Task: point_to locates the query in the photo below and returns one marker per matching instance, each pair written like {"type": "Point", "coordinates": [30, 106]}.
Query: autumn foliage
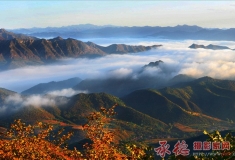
{"type": "Point", "coordinates": [41, 141]}
{"type": "Point", "coordinates": [32, 142]}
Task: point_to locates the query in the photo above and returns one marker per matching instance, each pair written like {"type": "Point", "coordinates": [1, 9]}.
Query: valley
{"type": "Point", "coordinates": [117, 80]}
{"type": "Point", "coordinates": [157, 95]}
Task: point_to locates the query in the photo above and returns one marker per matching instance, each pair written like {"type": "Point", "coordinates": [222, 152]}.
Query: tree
{"type": "Point", "coordinates": [40, 141]}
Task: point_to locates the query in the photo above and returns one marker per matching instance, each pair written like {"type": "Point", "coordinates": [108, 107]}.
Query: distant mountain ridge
{"type": "Point", "coordinates": [210, 46]}
{"type": "Point", "coordinates": [201, 34]}
{"type": "Point", "coordinates": [123, 86]}
{"type": "Point", "coordinates": [6, 35]}
{"type": "Point", "coordinates": [80, 27]}
{"type": "Point", "coordinates": [122, 48]}
{"type": "Point", "coordinates": [19, 51]}
{"type": "Point", "coordinates": [112, 85]}
{"type": "Point", "coordinates": [44, 88]}
{"type": "Point", "coordinates": [93, 31]}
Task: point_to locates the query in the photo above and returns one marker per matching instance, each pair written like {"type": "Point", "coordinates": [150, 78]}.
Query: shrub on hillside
{"type": "Point", "coordinates": [39, 141]}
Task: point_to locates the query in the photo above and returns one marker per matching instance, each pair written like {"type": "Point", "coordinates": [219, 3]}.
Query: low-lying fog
{"type": "Point", "coordinates": [177, 58]}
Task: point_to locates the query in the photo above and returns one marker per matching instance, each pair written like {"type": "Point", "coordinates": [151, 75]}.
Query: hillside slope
{"type": "Point", "coordinates": [6, 35]}
{"type": "Point", "coordinates": [204, 97]}
{"type": "Point", "coordinates": [44, 88]}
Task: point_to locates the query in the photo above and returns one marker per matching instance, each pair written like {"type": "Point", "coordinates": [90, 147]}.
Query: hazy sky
{"type": "Point", "coordinates": [27, 14]}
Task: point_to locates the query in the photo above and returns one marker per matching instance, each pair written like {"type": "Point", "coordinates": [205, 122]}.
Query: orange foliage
{"type": "Point", "coordinates": [39, 141]}
{"type": "Point", "coordinates": [101, 136]}
{"type": "Point", "coordinates": [22, 142]}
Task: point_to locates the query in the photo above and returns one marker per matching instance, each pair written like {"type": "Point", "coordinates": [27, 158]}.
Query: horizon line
{"type": "Point", "coordinates": [110, 25]}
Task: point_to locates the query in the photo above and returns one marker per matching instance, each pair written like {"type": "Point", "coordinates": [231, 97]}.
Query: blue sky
{"type": "Point", "coordinates": [27, 14]}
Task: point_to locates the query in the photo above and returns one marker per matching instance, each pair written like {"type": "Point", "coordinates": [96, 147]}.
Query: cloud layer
{"type": "Point", "coordinates": [66, 92]}
{"type": "Point", "coordinates": [15, 102]}
{"type": "Point", "coordinates": [177, 57]}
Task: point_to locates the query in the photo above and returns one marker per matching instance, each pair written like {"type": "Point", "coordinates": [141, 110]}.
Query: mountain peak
{"type": "Point", "coordinates": [154, 64]}
{"type": "Point", "coordinates": [5, 35]}
{"type": "Point", "coordinates": [195, 46]}
{"type": "Point", "coordinates": [58, 48]}
{"type": "Point", "coordinates": [58, 38]}
{"type": "Point", "coordinates": [206, 79]}
{"type": "Point", "coordinates": [2, 30]}
{"type": "Point", "coordinates": [210, 46]}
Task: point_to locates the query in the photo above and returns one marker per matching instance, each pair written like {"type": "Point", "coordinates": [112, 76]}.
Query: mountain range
{"type": "Point", "coordinates": [44, 88]}
{"type": "Point", "coordinates": [121, 87]}
{"type": "Point", "coordinates": [204, 103]}
{"type": "Point", "coordinates": [210, 46]}
{"type": "Point", "coordinates": [205, 95]}
{"type": "Point", "coordinates": [6, 35]}
{"type": "Point", "coordinates": [18, 50]}
{"type": "Point", "coordinates": [93, 31]}
{"type": "Point", "coordinates": [115, 86]}
{"type": "Point", "coordinates": [185, 96]}
{"type": "Point", "coordinates": [148, 107]}
{"type": "Point", "coordinates": [80, 27]}
{"type": "Point", "coordinates": [182, 109]}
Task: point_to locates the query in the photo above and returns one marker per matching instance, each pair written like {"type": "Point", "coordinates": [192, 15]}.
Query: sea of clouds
{"type": "Point", "coordinates": [177, 58]}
